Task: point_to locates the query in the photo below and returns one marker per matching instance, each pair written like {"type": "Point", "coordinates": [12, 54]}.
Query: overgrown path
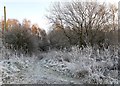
{"type": "Point", "coordinates": [41, 74]}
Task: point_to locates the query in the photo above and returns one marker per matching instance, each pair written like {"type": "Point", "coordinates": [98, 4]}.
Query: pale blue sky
{"type": "Point", "coordinates": [34, 10]}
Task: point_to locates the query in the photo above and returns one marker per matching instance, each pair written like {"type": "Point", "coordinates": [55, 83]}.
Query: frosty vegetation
{"type": "Point", "coordinates": [76, 66]}
{"type": "Point", "coordinates": [81, 47]}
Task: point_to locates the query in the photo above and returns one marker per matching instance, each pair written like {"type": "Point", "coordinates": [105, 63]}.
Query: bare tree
{"type": "Point", "coordinates": [82, 18]}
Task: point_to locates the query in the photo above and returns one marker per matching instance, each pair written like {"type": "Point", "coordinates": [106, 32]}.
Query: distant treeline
{"type": "Point", "coordinates": [79, 24]}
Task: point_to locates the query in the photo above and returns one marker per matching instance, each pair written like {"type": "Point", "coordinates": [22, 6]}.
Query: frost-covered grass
{"type": "Point", "coordinates": [61, 67]}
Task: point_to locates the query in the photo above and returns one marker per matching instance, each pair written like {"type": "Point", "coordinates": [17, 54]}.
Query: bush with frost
{"type": "Point", "coordinates": [21, 40]}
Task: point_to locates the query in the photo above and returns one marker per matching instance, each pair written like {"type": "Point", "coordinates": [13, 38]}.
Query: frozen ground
{"type": "Point", "coordinates": [60, 67]}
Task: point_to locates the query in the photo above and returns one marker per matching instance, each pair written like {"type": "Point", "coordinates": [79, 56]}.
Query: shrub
{"type": "Point", "coordinates": [43, 45]}
{"type": "Point", "coordinates": [58, 40]}
{"type": "Point", "coordinates": [81, 74]}
{"type": "Point", "coordinates": [21, 40]}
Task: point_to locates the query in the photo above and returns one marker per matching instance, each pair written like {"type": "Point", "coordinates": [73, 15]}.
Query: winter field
{"type": "Point", "coordinates": [80, 46]}
{"type": "Point", "coordinates": [60, 67]}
